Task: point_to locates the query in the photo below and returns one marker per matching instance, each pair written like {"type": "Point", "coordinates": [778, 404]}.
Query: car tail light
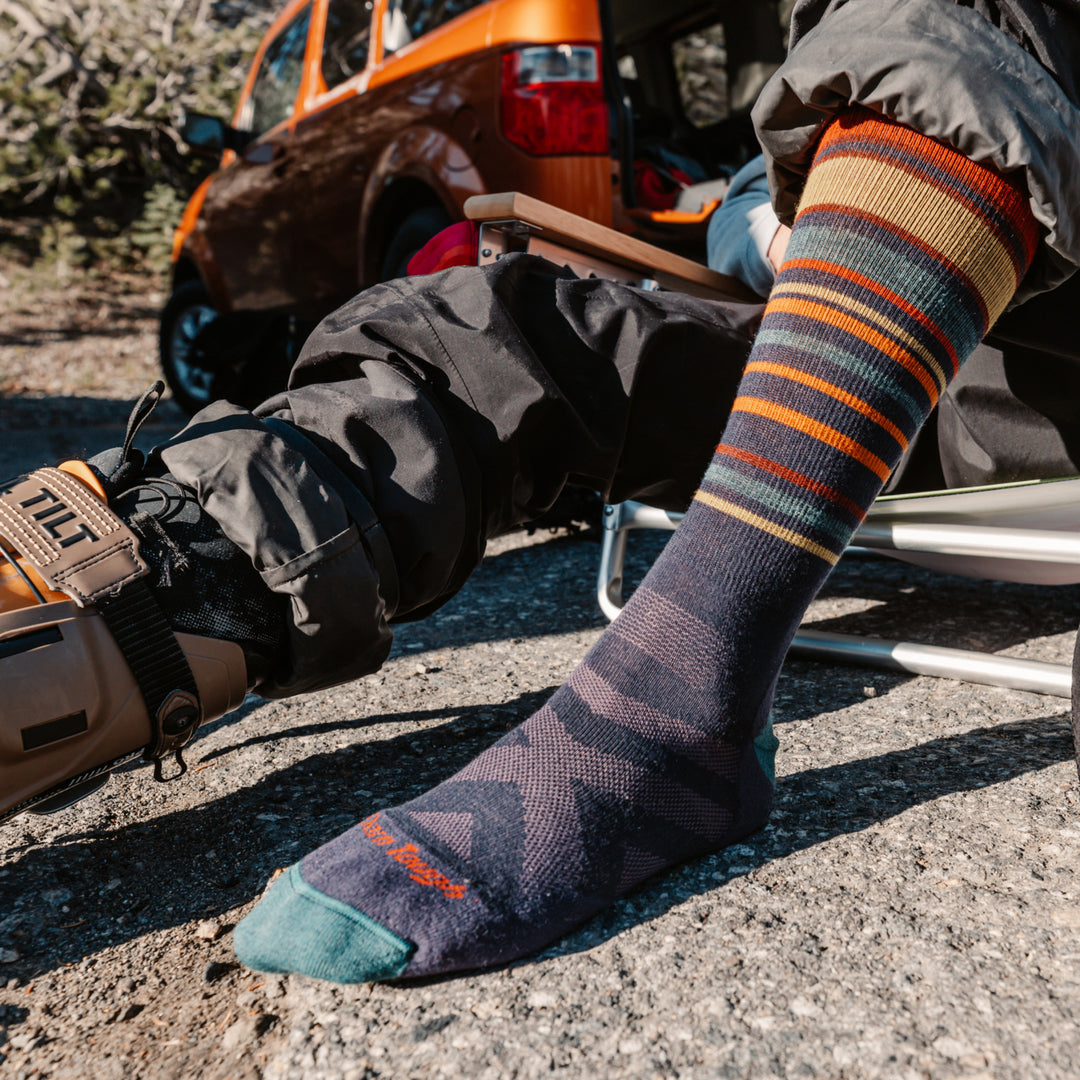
{"type": "Point", "coordinates": [553, 100]}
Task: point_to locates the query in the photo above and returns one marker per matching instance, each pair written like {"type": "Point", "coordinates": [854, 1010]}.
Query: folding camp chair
{"type": "Point", "coordinates": [1027, 533]}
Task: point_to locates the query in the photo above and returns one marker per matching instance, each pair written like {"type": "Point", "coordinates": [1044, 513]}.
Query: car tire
{"type": "Point", "coordinates": [246, 359]}
{"type": "Point", "coordinates": [411, 235]}
{"type": "Point", "coordinates": [194, 381]}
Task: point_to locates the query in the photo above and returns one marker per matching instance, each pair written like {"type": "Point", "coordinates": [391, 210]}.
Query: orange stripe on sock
{"type": "Point", "coordinates": [783, 371]}
{"type": "Point", "coordinates": [780, 414]}
{"type": "Point", "coordinates": [838, 270]}
{"type": "Point", "coordinates": [793, 477]}
{"type": "Point", "coordinates": [840, 320]}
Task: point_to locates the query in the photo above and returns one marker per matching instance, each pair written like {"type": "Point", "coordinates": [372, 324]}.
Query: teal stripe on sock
{"type": "Point", "coordinates": [765, 747]}
{"type": "Point", "coordinates": [828, 349]}
{"type": "Point", "coordinates": [816, 515]}
{"type": "Point", "coordinates": [295, 927]}
{"type": "Point", "coordinates": [862, 250]}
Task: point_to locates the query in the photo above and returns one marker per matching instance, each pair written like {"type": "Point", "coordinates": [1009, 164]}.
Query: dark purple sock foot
{"type": "Point", "coordinates": [597, 791]}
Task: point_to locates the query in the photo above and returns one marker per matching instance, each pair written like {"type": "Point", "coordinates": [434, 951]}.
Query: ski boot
{"type": "Point", "coordinates": [103, 567]}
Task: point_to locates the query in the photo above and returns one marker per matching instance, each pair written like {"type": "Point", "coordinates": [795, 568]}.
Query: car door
{"type": "Point", "coordinates": [333, 151]}
{"type": "Point", "coordinates": [253, 217]}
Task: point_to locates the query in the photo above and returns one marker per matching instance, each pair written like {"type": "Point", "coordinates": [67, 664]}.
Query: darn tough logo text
{"type": "Point", "coordinates": [409, 856]}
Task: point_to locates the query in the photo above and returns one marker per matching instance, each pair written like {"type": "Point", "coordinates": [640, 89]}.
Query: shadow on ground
{"type": "Point", "coordinates": [88, 420]}
{"type": "Point", "coordinates": [138, 878]}
{"type": "Point", "coordinates": [24, 329]}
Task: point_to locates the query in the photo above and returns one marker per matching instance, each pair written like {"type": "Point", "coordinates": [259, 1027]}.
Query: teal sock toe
{"type": "Point", "coordinates": [296, 928]}
{"type": "Point", "coordinates": [765, 746]}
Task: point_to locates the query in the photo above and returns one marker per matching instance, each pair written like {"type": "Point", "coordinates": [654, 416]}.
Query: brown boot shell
{"type": "Point", "coordinates": [69, 704]}
{"type": "Point", "coordinates": [71, 707]}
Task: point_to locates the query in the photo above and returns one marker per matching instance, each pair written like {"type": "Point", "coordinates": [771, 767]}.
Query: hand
{"type": "Point", "coordinates": [778, 247]}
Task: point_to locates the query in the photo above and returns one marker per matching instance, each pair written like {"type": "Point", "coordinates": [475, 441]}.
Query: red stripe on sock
{"type": "Point", "coordinates": [838, 270]}
{"type": "Point", "coordinates": [797, 478]}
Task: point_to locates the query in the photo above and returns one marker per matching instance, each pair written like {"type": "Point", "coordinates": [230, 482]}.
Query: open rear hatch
{"type": "Point", "coordinates": [682, 77]}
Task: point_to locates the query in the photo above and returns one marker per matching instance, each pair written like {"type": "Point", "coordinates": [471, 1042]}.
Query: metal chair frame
{"type": "Point", "coordinates": [1034, 536]}
{"type": "Point", "coordinates": [878, 534]}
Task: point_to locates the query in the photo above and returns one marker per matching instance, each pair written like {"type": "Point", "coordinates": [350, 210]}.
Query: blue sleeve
{"type": "Point", "coordinates": [730, 246]}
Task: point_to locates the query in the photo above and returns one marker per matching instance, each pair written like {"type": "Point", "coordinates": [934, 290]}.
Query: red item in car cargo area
{"type": "Point", "coordinates": [553, 100]}
{"type": "Point", "coordinates": [656, 188]}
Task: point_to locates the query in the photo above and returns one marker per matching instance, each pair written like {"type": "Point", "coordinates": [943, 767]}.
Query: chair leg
{"type": "Point", "coordinates": [1076, 702]}
{"type": "Point", "coordinates": [618, 520]}
{"type": "Point", "coordinates": [964, 665]}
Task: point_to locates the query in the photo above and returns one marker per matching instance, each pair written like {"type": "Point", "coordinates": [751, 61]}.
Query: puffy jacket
{"type": "Point", "coordinates": [997, 79]}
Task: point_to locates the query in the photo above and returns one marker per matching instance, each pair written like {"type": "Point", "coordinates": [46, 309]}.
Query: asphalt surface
{"type": "Point", "coordinates": [910, 911]}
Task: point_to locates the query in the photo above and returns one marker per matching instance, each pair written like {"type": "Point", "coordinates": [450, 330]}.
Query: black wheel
{"type": "Point", "coordinates": [191, 375]}
{"type": "Point", "coordinates": [244, 356]}
{"type": "Point", "coordinates": [411, 235]}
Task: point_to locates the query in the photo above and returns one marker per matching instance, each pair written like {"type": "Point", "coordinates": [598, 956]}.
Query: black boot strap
{"type": "Point", "coordinates": [160, 667]}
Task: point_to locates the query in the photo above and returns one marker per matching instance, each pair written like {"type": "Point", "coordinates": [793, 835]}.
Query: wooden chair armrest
{"type": "Point", "coordinates": [643, 260]}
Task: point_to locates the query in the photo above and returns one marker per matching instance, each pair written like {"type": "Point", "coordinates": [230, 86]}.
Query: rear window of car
{"type": "Point", "coordinates": [701, 69]}
{"type": "Point", "coordinates": [278, 79]}
{"type": "Point", "coordinates": [406, 20]}
{"type": "Point", "coordinates": [346, 40]}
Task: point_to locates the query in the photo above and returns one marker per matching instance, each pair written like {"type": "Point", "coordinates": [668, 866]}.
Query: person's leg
{"type": "Point", "coordinates": [423, 417]}
{"type": "Point", "coordinates": [657, 749]}
{"type": "Point", "coordinates": [452, 408]}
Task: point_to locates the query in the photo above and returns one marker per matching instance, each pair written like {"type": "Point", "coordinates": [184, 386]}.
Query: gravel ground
{"type": "Point", "coordinates": [910, 912]}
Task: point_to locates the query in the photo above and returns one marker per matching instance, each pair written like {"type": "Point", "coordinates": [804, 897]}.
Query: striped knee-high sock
{"type": "Point", "coordinates": [657, 748]}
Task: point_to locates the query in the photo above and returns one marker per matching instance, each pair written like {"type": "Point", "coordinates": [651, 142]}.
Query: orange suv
{"type": "Point", "coordinates": [363, 127]}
